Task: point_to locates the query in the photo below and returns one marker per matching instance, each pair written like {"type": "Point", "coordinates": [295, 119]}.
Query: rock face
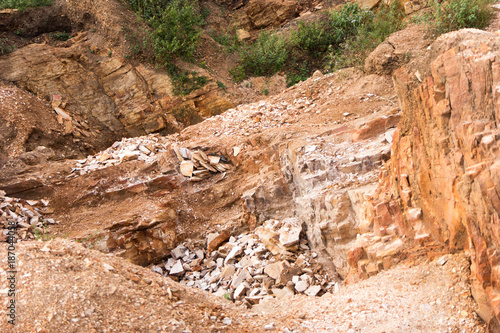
{"type": "Point", "coordinates": [105, 97]}
{"type": "Point", "coordinates": [258, 14]}
{"type": "Point", "coordinates": [109, 93]}
{"type": "Point", "coordinates": [441, 187]}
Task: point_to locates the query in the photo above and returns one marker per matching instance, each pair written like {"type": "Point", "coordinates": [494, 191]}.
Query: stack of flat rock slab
{"type": "Point", "coordinates": [245, 270]}
{"type": "Point", "coordinates": [27, 215]}
{"type": "Point", "coordinates": [197, 165]}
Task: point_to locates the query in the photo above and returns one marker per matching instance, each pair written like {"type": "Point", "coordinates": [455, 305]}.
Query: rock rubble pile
{"type": "Point", "coordinates": [194, 164]}
{"type": "Point", "coordinates": [273, 261]}
{"type": "Point", "coordinates": [143, 148]}
{"type": "Point", "coordinates": [27, 216]}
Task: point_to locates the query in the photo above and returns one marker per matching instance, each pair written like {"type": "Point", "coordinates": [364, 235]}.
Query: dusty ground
{"type": "Point", "coordinates": [62, 284]}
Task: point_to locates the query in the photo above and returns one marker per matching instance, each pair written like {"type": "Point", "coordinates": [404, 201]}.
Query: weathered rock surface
{"type": "Point", "coordinates": [258, 14]}
{"type": "Point", "coordinates": [399, 48]}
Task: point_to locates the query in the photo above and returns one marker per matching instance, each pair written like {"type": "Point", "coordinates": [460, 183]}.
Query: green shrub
{"type": "Point", "coordinates": [238, 73]}
{"type": "Point", "coordinates": [176, 26]}
{"type": "Point", "coordinates": [364, 35]}
{"type": "Point", "coordinates": [176, 30]}
{"type": "Point", "coordinates": [345, 22]}
{"type": "Point", "coordinates": [314, 37]}
{"type": "Point", "coordinates": [458, 14]}
{"type": "Point", "coordinates": [23, 4]}
{"type": "Point", "coordinates": [266, 56]}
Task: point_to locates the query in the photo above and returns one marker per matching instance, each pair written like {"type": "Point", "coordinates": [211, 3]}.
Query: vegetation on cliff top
{"type": "Point", "coordinates": [459, 14]}
{"type": "Point", "coordinates": [342, 39]}
{"type": "Point", "coordinates": [176, 29]}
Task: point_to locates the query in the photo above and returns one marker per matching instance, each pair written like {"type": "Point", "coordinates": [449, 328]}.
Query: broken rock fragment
{"type": "Point", "coordinates": [187, 168]}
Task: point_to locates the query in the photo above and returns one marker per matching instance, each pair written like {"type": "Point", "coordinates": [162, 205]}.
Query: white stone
{"type": "Point", "coordinates": [177, 268]}
{"type": "Point", "coordinates": [312, 290]}
{"type": "Point", "coordinates": [301, 286]}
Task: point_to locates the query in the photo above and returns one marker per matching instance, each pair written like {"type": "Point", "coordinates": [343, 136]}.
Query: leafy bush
{"type": "Point", "coordinates": [266, 56]}
{"type": "Point", "coordinates": [345, 22]}
{"type": "Point", "coordinates": [176, 26]}
{"type": "Point", "coordinates": [238, 73]}
{"type": "Point", "coordinates": [176, 30]}
{"type": "Point", "coordinates": [458, 14]}
{"type": "Point", "coordinates": [307, 45]}
{"type": "Point", "coordinates": [23, 4]}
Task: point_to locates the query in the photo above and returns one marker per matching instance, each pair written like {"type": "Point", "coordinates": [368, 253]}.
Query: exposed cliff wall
{"type": "Point", "coordinates": [441, 187]}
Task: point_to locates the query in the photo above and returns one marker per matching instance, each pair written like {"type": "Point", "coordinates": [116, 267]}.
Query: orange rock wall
{"type": "Point", "coordinates": [442, 184]}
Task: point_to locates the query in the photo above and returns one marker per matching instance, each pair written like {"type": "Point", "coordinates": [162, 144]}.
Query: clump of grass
{"type": "Point", "coordinates": [42, 234]}
{"type": "Point", "coordinates": [23, 4]}
{"type": "Point", "coordinates": [5, 48]}
{"type": "Point", "coordinates": [228, 40]}
{"type": "Point", "coordinates": [221, 85]}
{"type": "Point", "coordinates": [64, 36]}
